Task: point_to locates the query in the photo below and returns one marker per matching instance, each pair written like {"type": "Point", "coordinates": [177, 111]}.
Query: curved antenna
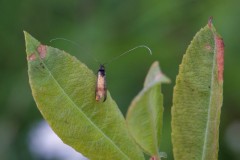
{"type": "Point", "coordinates": [76, 44]}
{"type": "Point", "coordinates": [140, 46]}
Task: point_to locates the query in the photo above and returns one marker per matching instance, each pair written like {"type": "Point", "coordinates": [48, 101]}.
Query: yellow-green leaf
{"type": "Point", "coordinates": [197, 98]}
{"type": "Point", "coordinates": [144, 117]}
{"type": "Point", "coordinates": [64, 91]}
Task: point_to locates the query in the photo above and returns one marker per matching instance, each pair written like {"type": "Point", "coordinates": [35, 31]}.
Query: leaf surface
{"type": "Point", "coordinates": [145, 114]}
{"type": "Point", "coordinates": [197, 98]}
{"type": "Point", "coordinates": [64, 91]}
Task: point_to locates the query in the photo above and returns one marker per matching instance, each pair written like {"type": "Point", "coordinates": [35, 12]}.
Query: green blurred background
{"type": "Point", "coordinates": [105, 29]}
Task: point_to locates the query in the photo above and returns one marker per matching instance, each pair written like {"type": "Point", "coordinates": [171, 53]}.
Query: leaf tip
{"type": "Point", "coordinates": [33, 47]}
{"type": "Point", "coordinates": [27, 36]}
{"type": "Point", "coordinates": [210, 22]}
{"type": "Point", "coordinates": [155, 75]}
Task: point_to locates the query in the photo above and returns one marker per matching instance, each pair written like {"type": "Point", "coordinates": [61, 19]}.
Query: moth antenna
{"type": "Point", "coordinates": [140, 46]}
{"type": "Point", "coordinates": [76, 44]}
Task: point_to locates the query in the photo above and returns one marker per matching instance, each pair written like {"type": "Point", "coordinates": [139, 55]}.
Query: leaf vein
{"type": "Point", "coordinates": [74, 104]}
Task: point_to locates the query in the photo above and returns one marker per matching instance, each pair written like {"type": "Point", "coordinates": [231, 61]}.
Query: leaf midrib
{"type": "Point", "coordinates": [110, 140]}
{"type": "Point", "coordinates": [153, 124]}
{"type": "Point", "coordinates": [210, 102]}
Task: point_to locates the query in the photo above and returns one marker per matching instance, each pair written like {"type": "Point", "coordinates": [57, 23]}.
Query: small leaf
{"type": "Point", "coordinates": [144, 117]}
{"type": "Point", "coordinates": [64, 91]}
{"type": "Point", "coordinates": [197, 98]}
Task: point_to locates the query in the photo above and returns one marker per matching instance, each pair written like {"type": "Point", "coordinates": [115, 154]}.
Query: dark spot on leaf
{"type": "Point", "coordinates": [31, 57]}
{"type": "Point", "coordinates": [42, 50]}
{"type": "Point", "coordinates": [209, 87]}
{"type": "Point", "coordinates": [42, 65]}
{"type": "Point", "coordinates": [66, 121]}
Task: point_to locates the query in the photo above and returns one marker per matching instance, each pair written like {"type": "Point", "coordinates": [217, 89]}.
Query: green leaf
{"type": "Point", "coordinates": [64, 91]}
{"type": "Point", "coordinates": [197, 98]}
{"type": "Point", "coordinates": [144, 117]}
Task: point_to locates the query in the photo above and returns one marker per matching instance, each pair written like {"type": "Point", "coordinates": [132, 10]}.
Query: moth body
{"type": "Point", "coordinates": [101, 88]}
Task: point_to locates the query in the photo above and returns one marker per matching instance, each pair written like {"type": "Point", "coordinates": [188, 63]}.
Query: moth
{"type": "Point", "coordinates": [101, 84]}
